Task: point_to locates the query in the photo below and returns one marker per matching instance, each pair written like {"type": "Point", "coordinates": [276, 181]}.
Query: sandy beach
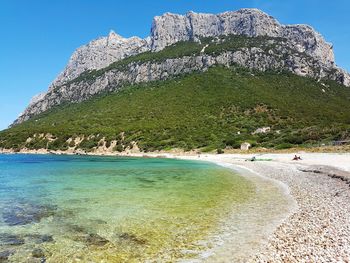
{"type": "Point", "coordinates": [319, 229]}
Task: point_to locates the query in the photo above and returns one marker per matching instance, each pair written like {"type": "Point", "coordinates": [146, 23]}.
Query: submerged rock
{"type": "Point", "coordinates": [26, 214]}
{"type": "Point", "coordinates": [39, 239]}
{"type": "Point", "coordinates": [76, 229]}
{"type": "Point", "coordinates": [90, 239]}
{"type": "Point", "coordinates": [4, 255]}
{"type": "Point", "coordinates": [38, 253]}
{"type": "Point", "coordinates": [95, 240]}
{"type": "Point", "coordinates": [11, 240]}
{"type": "Point", "coordinates": [132, 238]}
{"type": "Point", "coordinates": [145, 180]}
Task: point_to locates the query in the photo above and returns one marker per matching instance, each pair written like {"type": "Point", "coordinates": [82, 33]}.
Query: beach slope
{"type": "Point", "coordinates": [319, 229]}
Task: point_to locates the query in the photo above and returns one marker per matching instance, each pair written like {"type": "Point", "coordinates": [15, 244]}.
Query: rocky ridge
{"type": "Point", "coordinates": [100, 53]}
{"type": "Point", "coordinates": [169, 29]}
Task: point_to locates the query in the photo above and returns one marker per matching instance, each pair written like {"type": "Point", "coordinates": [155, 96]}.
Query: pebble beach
{"type": "Point", "coordinates": [319, 228]}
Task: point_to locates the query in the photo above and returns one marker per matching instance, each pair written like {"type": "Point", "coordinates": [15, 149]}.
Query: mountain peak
{"type": "Point", "coordinates": [170, 28]}
{"type": "Point", "coordinates": [250, 10]}
{"type": "Point", "coordinates": [113, 34]}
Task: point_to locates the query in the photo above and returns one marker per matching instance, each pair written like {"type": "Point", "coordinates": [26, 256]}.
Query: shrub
{"type": "Point", "coordinates": [209, 148]}
{"type": "Point", "coordinates": [219, 151]}
{"type": "Point", "coordinates": [37, 144]}
{"type": "Point", "coordinates": [294, 139]}
{"type": "Point", "coordinates": [188, 112]}
{"type": "Point", "coordinates": [283, 146]}
{"type": "Point", "coordinates": [108, 144]}
{"type": "Point", "coordinates": [71, 144]}
{"type": "Point", "coordinates": [88, 145]}
{"type": "Point", "coordinates": [58, 144]}
{"type": "Point", "coordinates": [119, 148]}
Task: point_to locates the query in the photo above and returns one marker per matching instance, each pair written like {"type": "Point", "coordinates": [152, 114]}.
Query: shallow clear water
{"type": "Point", "coordinates": [109, 209]}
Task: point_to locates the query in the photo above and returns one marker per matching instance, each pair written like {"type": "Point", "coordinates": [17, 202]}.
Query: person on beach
{"type": "Point", "coordinates": [296, 158]}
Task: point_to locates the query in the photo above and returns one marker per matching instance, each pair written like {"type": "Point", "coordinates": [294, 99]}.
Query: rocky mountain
{"type": "Point", "coordinates": [171, 28]}
{"type": "Point", "coordinates": [100, 53]}
{"type": "Point", "coordinates": [110, 62]}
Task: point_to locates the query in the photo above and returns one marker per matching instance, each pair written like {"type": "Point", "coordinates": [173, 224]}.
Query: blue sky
{"type": "Point", "coordinates": [38, 36]}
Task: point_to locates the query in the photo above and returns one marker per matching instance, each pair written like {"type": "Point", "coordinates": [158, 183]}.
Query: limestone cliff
{"type": "Point", "coordinates": [297, 48]}
{"type": "Point", "coordinates": [100, 53]}
{"type": "Point", "coordinates": [171, 28]}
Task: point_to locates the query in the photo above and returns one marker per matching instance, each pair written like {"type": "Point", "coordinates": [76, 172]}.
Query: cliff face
{"type": "Point", "coordinates": [171, 28]}
{"type": "Point", "coordinates": [298, 40]}
{"type": "Point", "coordinates": [100, 53]}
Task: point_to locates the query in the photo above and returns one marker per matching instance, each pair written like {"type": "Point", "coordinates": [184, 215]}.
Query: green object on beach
{"type": "Point", "coordinates": [258, 159]}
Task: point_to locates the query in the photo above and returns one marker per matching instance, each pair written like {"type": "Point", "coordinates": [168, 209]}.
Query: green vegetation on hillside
{"type": "Point", "coordinates": [213, 110]}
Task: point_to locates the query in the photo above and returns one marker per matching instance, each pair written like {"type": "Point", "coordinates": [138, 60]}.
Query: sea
{"type": "Point", "coordinates": [60, 208]}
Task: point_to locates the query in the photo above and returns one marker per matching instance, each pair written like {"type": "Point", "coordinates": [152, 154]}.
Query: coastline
{"type": "Point", "coordinates": [257, 225]}
{"type": "Point", "coordinates": [318, 230]}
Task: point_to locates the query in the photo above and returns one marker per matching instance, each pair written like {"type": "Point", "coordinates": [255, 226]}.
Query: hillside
{"type": "Point", "coordinates": [200, 81]}
{"type": "Point", "coordinates": [215, 109]}
{"type": "Point", "coordinates": [180, 44]}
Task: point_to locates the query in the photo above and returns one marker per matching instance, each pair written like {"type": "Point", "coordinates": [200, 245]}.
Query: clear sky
{"type": "Point", "coordinates": [38, 36]}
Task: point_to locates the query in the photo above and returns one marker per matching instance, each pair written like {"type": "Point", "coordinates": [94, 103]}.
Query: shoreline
{"type": "Point", "coordinates": [244, 245]}
{"type": "Point", "coordinates": [319, 229]}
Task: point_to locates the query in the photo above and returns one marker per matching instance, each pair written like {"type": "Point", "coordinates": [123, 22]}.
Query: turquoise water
{"type": "Point", "coordinates": [111, 209]}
